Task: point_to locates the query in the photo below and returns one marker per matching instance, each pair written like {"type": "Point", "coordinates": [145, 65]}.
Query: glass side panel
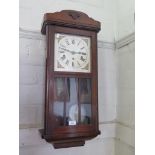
{"type": "Point", "coordinates": [59, 104]}
{"type": "Point", "coordinates": [85, 100]}
{"type": "Point", "coordinates": [72, 101]}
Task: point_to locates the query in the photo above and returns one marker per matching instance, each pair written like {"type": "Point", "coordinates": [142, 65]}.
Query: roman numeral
{"type": "Point", "coordinates": [67, 42]}
{"type": "Point", "coordinates": [63, 57]}
{"type": "Point", "coordinates": [73, 41]}
{"type": "Point", "coordinates": [73, 64]}
{"type": "Point", "coordinates": [78, 63]}
{"type": "Point", "coordinates": [79, 42]}
{"type": "Point", "coordinates": [81, 58]}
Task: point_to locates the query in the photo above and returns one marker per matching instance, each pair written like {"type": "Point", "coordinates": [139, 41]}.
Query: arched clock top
{"type": "Point", "coordinates": [70, 18]}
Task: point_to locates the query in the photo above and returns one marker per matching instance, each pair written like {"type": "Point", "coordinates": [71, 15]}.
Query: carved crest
{"type": "Point", "coordinates": [70, 18]}
{"type": "Point", "coordinates": [74, 15]}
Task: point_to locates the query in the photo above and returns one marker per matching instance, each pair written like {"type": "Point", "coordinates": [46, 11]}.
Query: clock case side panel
{"type": "Point", "coordinates": [48, 86]}
{"type": "Point", "coordinates": [49, 132]}
{"type": "Point", "coordinates": [95, 82]}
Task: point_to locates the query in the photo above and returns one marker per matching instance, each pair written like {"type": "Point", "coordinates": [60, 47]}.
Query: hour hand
{"type": "Point", "coordinates": [66, 50]}
{"type": "Point", "coordinates": [81, 53]}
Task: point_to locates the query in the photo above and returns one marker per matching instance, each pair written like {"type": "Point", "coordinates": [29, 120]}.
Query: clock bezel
{"type": "Point", "coordinates": [71, 69]}
{"type": "Point", "coordinates": [70, 31]}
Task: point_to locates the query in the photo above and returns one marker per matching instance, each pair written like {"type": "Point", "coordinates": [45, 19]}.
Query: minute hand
{"type": "Point", "coordinates": [81, 53]}
{"type": "Point", "coordinates": [73, 52]}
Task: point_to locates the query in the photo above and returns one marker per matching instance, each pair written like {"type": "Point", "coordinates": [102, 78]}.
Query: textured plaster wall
{"type": "Point", "coordinates": [31, 13]}
{"type": "Point", "coordinates": [124, 18]}
{"type": "Point", "coordinates": [125, 126]}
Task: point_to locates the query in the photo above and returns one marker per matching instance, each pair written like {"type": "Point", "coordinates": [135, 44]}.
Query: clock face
{"type": "Point", "coordinates": [72, 53]}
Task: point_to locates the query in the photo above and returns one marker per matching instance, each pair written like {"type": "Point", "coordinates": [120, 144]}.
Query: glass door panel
{"type": "Point", "coordinates": [72, 105]}
{"type": "Point", "coordinates": [60, 98]}
{"type": "Point", "coordinates": [72, 101]}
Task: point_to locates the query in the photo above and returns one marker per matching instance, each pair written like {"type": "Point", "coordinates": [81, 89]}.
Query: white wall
{"type": "Point", "coordinates": [116, 17]}
{"type": "Point", "coordinates": [124, 18]}
{"type": "Point", "coordinates": [126, 97]}
{"type": "Point", "coordinates": [125, 55]}
{"type": "Point", "coordinates": [31, 13]}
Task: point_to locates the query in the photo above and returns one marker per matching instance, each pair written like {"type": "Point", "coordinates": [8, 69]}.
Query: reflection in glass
{"type": "Point", "coordinates": [72, 101]}
{"type": "Point", "coordinates": [85, 99]}
{"type": "Point", "coordinates": [61, 93]}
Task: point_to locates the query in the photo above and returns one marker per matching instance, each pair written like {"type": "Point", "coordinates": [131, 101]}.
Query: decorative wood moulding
{"type": "Point", "coordinates": [70, 18]}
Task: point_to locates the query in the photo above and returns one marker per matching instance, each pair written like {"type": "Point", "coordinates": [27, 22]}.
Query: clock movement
{"type": "Point", "coordinates": [71, 90]}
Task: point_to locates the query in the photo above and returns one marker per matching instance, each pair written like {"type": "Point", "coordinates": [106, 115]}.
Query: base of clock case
{"type": "Point", "coordinates": [69, 142]}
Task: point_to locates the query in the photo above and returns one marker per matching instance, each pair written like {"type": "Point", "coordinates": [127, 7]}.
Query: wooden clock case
{"type": "Point", "coordinates": [73, 23]}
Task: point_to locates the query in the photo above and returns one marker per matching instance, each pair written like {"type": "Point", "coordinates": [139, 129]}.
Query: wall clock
{"type": "Point", "coordinates": [71, 94]}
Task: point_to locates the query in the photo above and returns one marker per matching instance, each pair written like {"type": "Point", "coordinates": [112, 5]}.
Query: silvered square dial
{"type": "Point", "coordinates": [72, 53]}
